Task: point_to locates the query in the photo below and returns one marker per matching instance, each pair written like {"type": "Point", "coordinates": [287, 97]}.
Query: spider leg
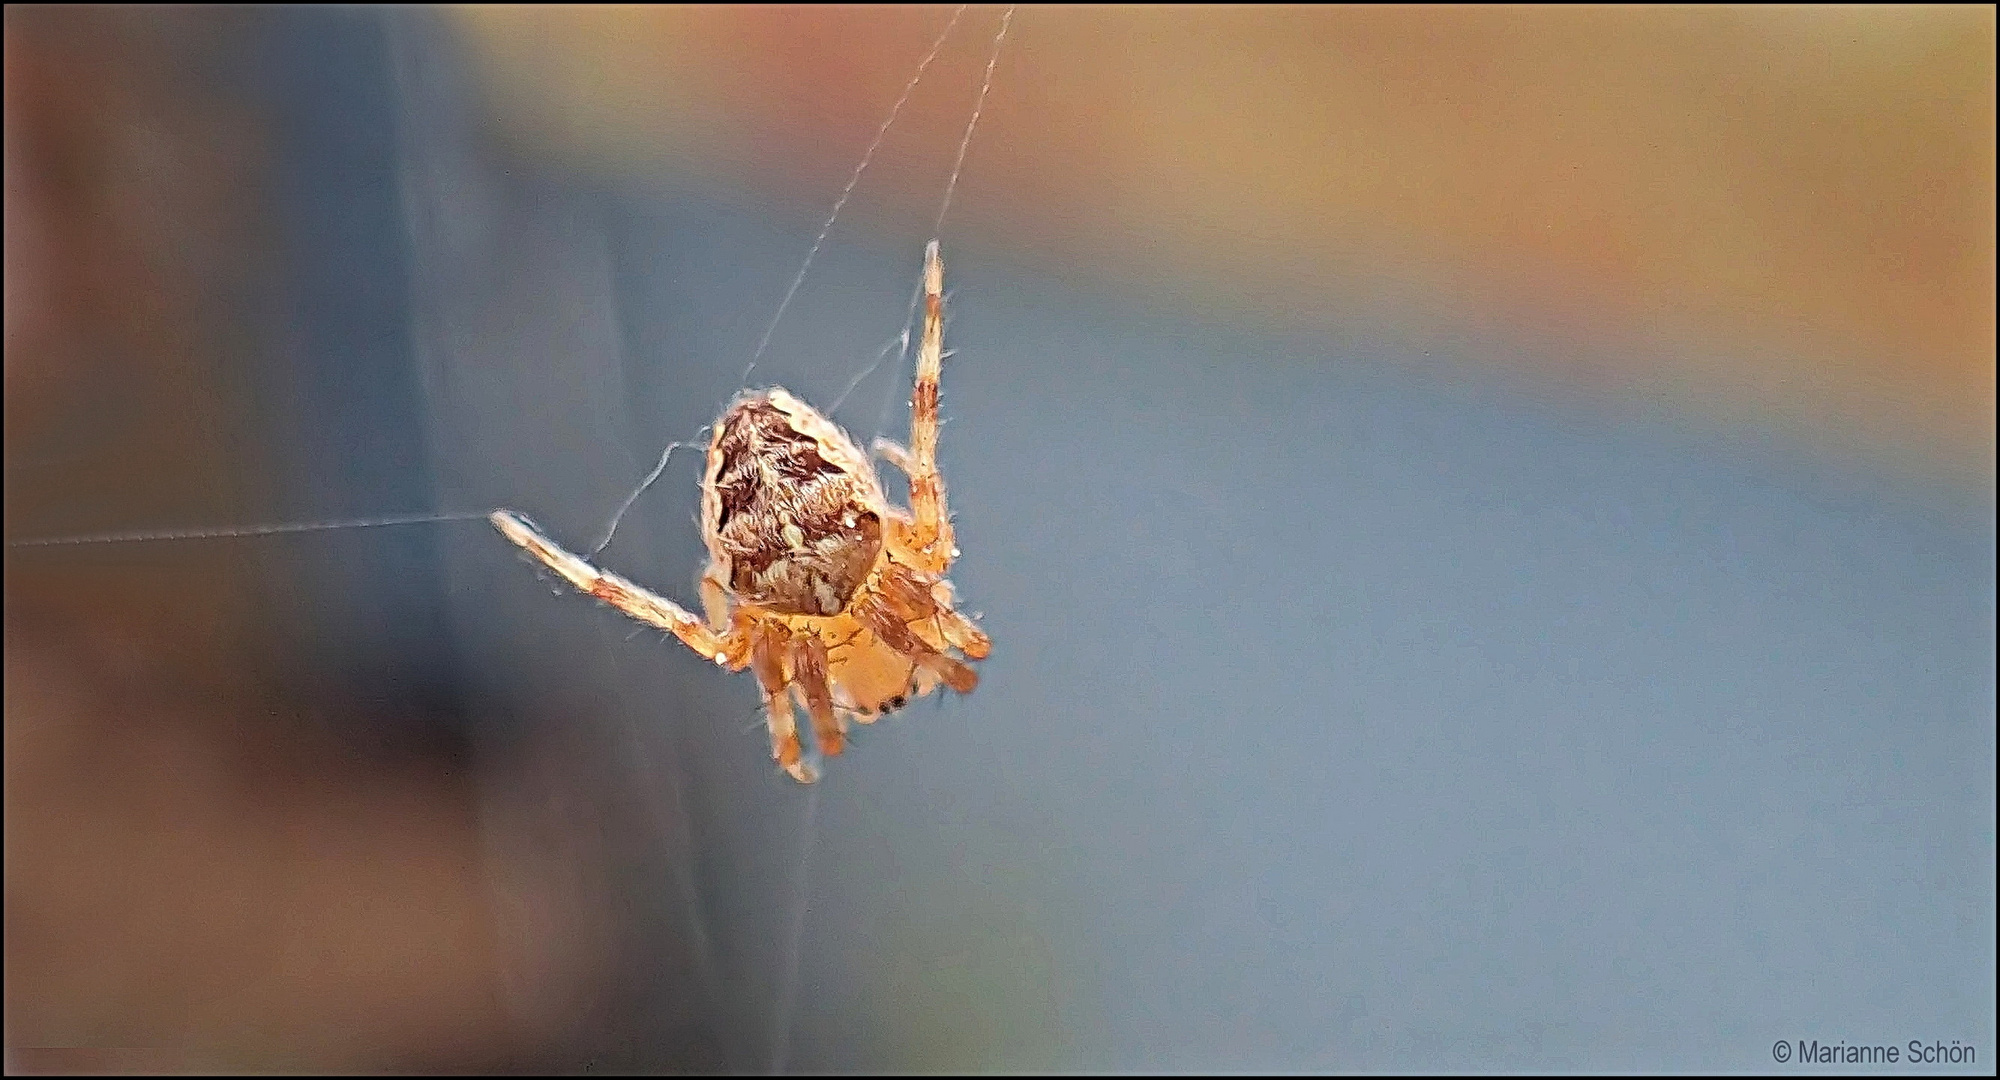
{"type": "Point", "coordinates": [730, 649]}
{"type": "Point", "coordinates": [714, 597]}
{"type": "Point", "coordinates": [879, 616]}
{"type": "Point", "coordinates": [809, 676]}
{"type": "Point", "coordinates": [959, 632]}
{"type": "Point", "coordinates": [924, 603]}
{"type": "Point", "coordinates": [896, 454]}
{"type": "Point", "coordinates": [767, 659]}
{"type": "Point", "coordinates": [963, 634]}
{"type": "Point", "coordinates": [931, 536]}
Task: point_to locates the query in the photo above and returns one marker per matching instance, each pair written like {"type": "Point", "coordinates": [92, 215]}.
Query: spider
{"type": "Point", "coordinates": [814, 580]}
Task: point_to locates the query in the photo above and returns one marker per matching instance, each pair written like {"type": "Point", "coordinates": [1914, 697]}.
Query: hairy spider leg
{"type": "Point", "coordinates": [893, 612]}
{"type": "Point", "coordinates": [762, 647]}
{"type": "Point", "coordinates": [714, 597]}
{"type": "Point", "coordinates": [956, 630]}
{"type": "Point", "coordinates": [930, 534]}
{"type": "Point", "coordinates": [959, 632]}
{"type": "Point", "coordinates": [729, 649]}
{"type": "Point", "coordinates": [896, 454]}
{"type": "Point", "coordinates": [809, 675]}
{"type": "Point", "coordinates": [769, 642]}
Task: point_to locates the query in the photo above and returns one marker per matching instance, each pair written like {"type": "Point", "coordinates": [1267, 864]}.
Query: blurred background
{"type": "Point", "coordinates": [1486, 517]}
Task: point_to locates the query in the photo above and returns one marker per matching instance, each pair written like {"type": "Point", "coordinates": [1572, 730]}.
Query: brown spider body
{"type": "Point", "coordinates": [790, 510]}
{"type": "Point", "coordinates": [815, 581]}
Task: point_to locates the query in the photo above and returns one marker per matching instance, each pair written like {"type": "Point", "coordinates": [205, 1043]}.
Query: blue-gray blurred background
{"type": "Point", "coordinates": [1383, 680]}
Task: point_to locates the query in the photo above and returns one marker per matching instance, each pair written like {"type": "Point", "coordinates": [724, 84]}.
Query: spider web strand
{"type": "Point", "coordinates": [902, 340]}
{"type": "Point", "coordinates": [958, 166]}
{"type": "Point", "coordinates": [245, 530]}
{"type": "Point", "coordinates": [859, 168]}
{"type": "Point", "coordinates": [799, 278]}
{"type": "Point", "coordinates": [900, 344]}
{"type": "Point", "coordinates": [788, 987]}
{"type": "Point", "coordinates": [661, 467]}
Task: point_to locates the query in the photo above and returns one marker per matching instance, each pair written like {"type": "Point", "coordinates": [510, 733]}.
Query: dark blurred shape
{"type": "Point", "coordinates": [243, 828]}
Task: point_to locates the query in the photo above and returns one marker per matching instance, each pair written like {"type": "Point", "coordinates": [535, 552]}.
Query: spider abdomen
{"type": "Point", "coordinates": [789, 507]}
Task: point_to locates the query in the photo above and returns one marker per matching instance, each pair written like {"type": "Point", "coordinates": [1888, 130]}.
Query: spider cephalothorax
{"type": "Point", "coordinates": [815, 581]}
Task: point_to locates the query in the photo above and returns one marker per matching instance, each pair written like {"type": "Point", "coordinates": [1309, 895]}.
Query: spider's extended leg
{"type": "Point", "coordinates": [731, 649]}
{"type": "Point", "coordinates": [931, 536]}
{"type": "Point", "coordinates": [809, 675]}
{"type": "Point", "coordinates": [767, 659]}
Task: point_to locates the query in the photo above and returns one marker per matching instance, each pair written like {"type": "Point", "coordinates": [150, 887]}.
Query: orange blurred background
{"type": "Point", "coordinates": [1782, 215]}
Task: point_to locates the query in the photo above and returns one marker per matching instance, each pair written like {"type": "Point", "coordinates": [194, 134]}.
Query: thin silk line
{"type": "Point", "coordinates": [866, 156]}
{"type": "Point", "coordinates": [245, 530]}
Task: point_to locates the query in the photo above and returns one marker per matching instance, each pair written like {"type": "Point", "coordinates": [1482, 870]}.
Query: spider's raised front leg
{"type": "Point", "coordinates": [731, 649]}
{"type": "Point", "coordinates": [930, 536]}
